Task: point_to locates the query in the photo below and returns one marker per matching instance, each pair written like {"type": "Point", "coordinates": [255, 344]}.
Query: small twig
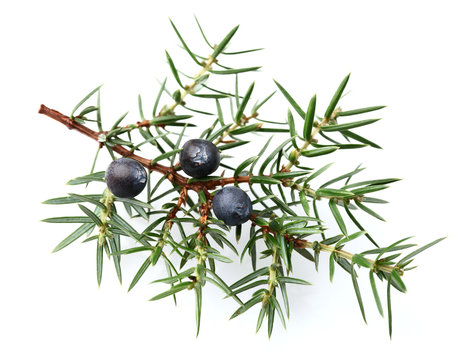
{"type": "Point", "coordinates": [272, 281]}
{"type": "Point", "coordinates": [300, 243]}
{"type": "Point", "coordinates": [189, 88]}
{"type": "Point", "coordinates": [181, 201]}
{"type": "Point", "coordinates": [107, 200]}
{"type": "Point", "coordinates": [244, 121]}
{"type": "Point", "coordinates": [314, 133]}
{"type": "Point", "coordinates": [204, 212]}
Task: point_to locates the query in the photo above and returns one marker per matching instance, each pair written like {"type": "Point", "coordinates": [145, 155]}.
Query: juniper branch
{"type": "Point", "coordinates": [284, 231]}
{"type": "Point", "coordinates": [316, 245]}
{"type": "Point", "coordinates": [173, 175]}
{"type": "Point", "coordinates": [244, 121]}
{"type": "Point", "coordinates": [315, 132]}
{"type": "Point", "coordinates": [189, 88]}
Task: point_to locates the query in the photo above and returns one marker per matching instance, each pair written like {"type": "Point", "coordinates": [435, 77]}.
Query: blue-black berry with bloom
{"type": "Point", "coordinates": [125, 177]}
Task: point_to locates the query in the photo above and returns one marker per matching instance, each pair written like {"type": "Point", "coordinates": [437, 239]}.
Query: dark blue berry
{"type": "Point", "coordinates": [232, 205]}
{"type": "Point", "coordinates": [125, 177]}
{"type": "Point", "coordinates": [199, 158]}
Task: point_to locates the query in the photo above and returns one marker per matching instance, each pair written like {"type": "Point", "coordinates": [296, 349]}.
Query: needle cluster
{"type": "Point", "coordinates": [280, 189]}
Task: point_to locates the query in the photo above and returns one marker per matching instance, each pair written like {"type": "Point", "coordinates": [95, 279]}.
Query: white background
{"type": "Point", "coordinates": [408, 55]}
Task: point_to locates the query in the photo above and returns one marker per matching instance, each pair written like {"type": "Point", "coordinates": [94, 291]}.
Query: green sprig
{"type": "Point", "coordinates": [286, 188]}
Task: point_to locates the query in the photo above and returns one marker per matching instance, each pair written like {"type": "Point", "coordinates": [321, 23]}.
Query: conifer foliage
{"type": "Point", "coordinates": [273, 197]}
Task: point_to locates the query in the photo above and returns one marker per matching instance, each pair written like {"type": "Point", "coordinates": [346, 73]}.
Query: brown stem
{"type": "Point", "coordinates": [173, 175]}
{"type": "Point", "coordinates": [181, 201]}
{"type": "Point", "coordinates": [205, 210]}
